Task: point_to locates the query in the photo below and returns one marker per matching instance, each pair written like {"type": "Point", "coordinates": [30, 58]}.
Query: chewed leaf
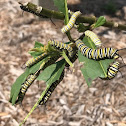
{"type": "Point", "coordinates": [92, 68]}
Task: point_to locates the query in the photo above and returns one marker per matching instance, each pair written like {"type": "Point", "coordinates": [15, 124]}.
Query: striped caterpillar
{"type": "Point", "coordinates": [61, 45]}
{"type": "Point", "coordinates": [97, 54]}
{"type": "Point", "coordinates": [51, 89]}
{"type": "Point", "coordinates": [71, 22]}
{"type": "Point", "coordinates": [26, 85]}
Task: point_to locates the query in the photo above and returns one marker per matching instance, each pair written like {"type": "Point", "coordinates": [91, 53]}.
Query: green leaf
{"type": "Point", "coordinates": [37, 49]}
{"type": "Point", "coordinates": [101, 20]}
{"type": "Point", "coordinates": [60, 5]}
{"type": "Point", "coordinates": [57, 72]}
{"type": "Point", "coordinates": [92, 68]}
{"type": "Point", "coordinates": [38, 44]}
{"type": "Point", "coordinates": [34, 54]}
{"type": "Point", "coordinates": [53, 72]}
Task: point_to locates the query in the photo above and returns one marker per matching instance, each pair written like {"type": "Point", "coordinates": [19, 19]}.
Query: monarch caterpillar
{"type": "Point", "coordinates": [51, 89]}
{"type": "Point", "coordinates": [33, 61]}
{"type": "Point", "coordinates": [93, 37]}
{"type": "Point", "coordinates": [61, 45]}
{"type": "Point", "coordinates": [71, 22]}
{"type": "Point", "coordinates": [26, 85]}
{"type": "Point", "coordinates": [113, 70]}
{"type": "Point", "coordinates": [97, 54]}
{"type": "Point", "coordinates": [29, 81]}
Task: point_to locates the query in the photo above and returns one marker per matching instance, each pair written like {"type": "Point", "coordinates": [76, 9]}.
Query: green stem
{"type": "Point", "coordinates": [67, 20]}
{"type": "Point", "coordinates": [67, 59]}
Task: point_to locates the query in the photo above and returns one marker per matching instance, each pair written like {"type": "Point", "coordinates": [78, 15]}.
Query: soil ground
{"type": "Point", "coordinates": [72, 103]}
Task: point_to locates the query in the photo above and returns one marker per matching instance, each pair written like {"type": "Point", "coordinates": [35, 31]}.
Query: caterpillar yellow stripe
{"type": "Point", "coordinates": [71, 22]}
{"type": "Point", "coordinates": [60, 45]}
{"type": "Point", "coordinates": [93, 37]}
{"type": "Point", "coordinates": [97, 54]}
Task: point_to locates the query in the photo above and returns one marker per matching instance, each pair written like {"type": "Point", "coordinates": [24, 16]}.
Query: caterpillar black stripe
{"type": "Point", "coordinates": [97, 54]}
{"type": "Point", "coordinates": [50, 90]}
{"type": "Point", "coordinates": [61, 45]}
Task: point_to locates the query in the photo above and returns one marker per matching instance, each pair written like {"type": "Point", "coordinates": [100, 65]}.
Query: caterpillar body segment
{"type": "Point", "coordinates": [50, 90]}
{"type": "Point", "coordinates": [71, 22]}
{"type": "Point", "coordinates": [93, 37]}
{"type": "Point", "coordinates": [60, 46]}
{"type": "Point", "coordinates": [97, 54]}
